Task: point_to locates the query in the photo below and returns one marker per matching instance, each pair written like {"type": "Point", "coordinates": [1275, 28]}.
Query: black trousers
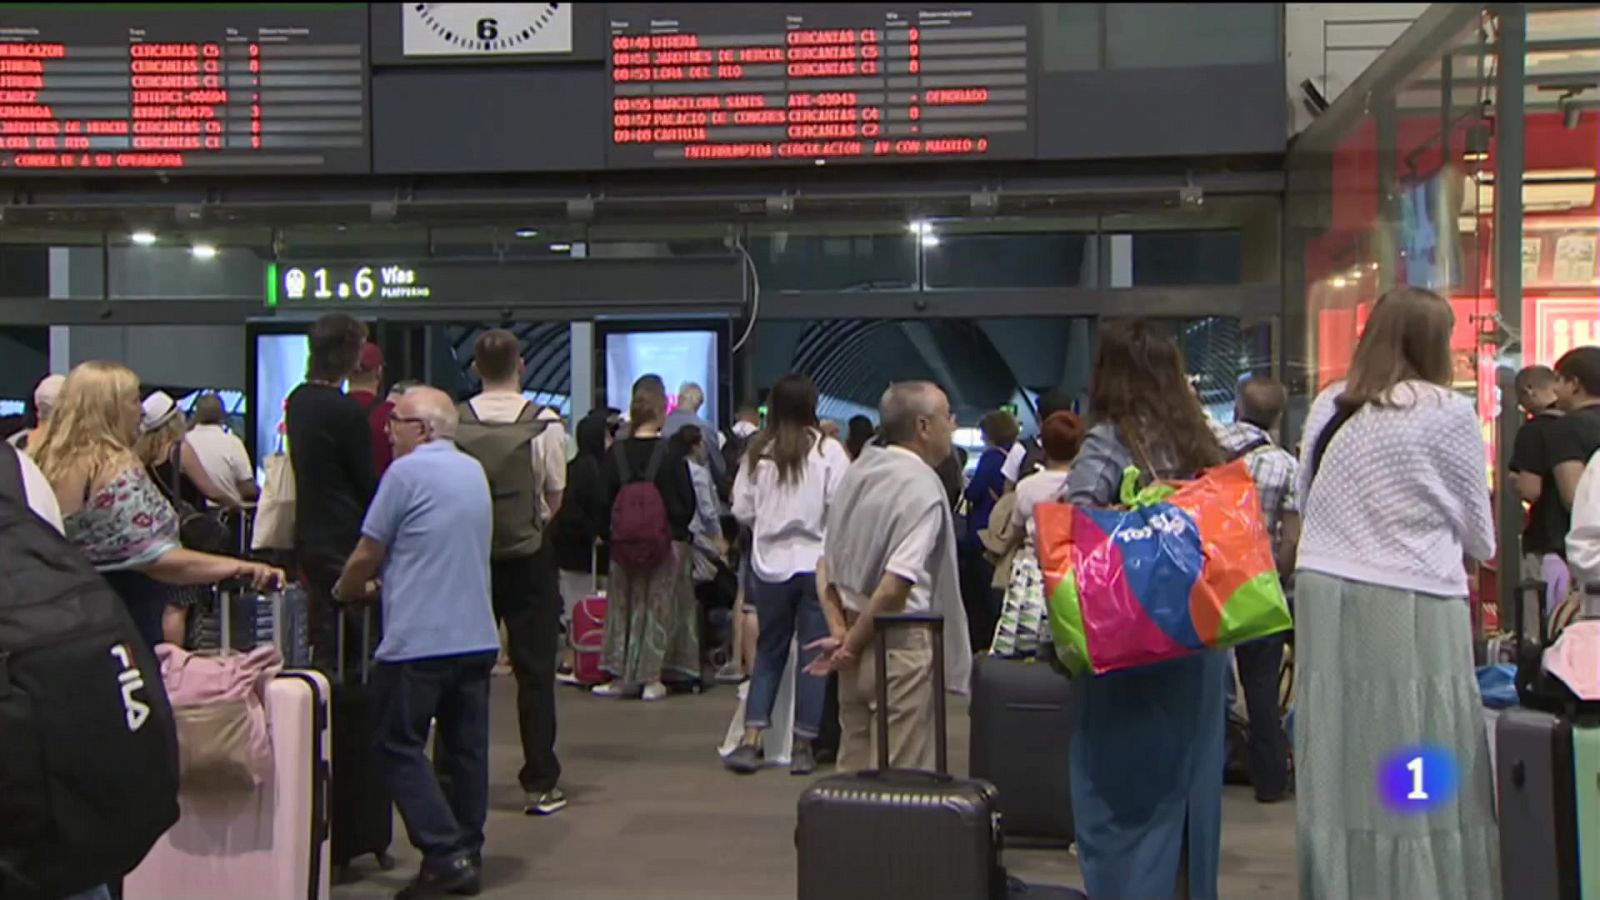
{"type": "Point", "coordinates": [977, 596]}
{"type": "Point", "coordinates": [527, 599]}
{"type": "Point", "coordinates": [1268, 751]}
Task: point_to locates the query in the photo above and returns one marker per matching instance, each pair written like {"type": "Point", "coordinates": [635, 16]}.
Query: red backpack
{"type": "Point", "coordinates": [641, 536]}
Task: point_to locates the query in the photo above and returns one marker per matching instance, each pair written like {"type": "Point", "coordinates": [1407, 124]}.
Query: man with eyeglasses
{"type": "Point", "coordinates": [427, 536]}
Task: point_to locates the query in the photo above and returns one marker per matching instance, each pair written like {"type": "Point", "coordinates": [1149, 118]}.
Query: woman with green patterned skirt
{"type": "Point", "coordinates": [1394, 498]}
{"type": "Point", "coordinates": [652, 625]}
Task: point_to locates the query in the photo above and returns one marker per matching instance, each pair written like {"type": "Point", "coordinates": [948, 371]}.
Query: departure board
{"type": "Point", "coordinates": [105, 88]}
{"type": "Point", "coordinates": [774, 83]}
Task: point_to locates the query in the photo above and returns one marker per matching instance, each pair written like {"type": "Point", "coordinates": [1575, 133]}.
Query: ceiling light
{"type": "Point", "coordinates": [1338, 281]}
{"type": "Point", "coordinates": [560, 248]}
{"type": "Point", "coordinates": [526, 233]}
{"type": "Point", "coordinates": [930, 240]}
{"type": "Point", "coordinates": [143, 238]}
{"type": "Point", "coordinates": [203, 251]}
{"type": "Point", "coordinates": [920, 226]}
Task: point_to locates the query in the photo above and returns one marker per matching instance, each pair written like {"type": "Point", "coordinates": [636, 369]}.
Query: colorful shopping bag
{"type": "Point", "coordinates": [1182, 568]}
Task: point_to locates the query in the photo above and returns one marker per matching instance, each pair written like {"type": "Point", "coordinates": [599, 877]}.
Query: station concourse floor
{"type": "Point", "coordinates": [654, 815]}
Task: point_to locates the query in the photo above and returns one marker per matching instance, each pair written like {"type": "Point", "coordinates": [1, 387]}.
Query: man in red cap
{"type": "Point", "coordinates": [364, 387]}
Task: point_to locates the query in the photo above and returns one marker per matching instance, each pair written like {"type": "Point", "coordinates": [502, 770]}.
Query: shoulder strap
{"type": "Point", "coordinates": [177, 468]}
{"type": "Point", "coordinates": [11, 484]}
{"type": "Point", "coordinates": [468, 414]}
{"type": "Point", "coordinates": [1341, 415]}
{"type": "Point", "coordinates": [621, 455]}
{"type": "Point", "coordinates": [528, 413]}
{"type": "Point", "coordinates": [657, 457]}
{"type": "Point", "coordinates": [1250, 448]}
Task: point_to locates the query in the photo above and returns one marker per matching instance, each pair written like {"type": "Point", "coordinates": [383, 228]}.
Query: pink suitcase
{"type": "Point", "coordinates": [269, 845]}
{"type": "Point", "coordinates": [588, 640]}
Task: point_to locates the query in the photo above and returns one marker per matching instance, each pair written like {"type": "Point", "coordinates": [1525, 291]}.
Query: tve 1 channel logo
{"type": "Point", "coordinates": [1418, 779]}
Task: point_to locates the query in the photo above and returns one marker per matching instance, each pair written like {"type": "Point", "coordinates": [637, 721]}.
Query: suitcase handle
{"type": "Point", "coordinates": [935, 623]}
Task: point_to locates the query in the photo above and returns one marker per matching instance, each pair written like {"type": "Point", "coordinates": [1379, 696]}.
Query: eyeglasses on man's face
{"type": "Point", "coordinates": [406, 420]}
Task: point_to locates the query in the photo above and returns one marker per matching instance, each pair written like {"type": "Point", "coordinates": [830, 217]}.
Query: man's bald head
{"type": "Point", "coordinates": [1261, 403]}
{"type": "Point", "coordinates": [916, 415]}
{"type": "Point", "coordinates": [433, 407]}
{"type": "Point", "coordinates": [208, 410]}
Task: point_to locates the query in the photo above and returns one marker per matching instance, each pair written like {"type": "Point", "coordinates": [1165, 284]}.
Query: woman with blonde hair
{"type": "Point", "coordinates": [1394, 499]}
{"type": "Point", "coordinates": [114, 514]}
{"type": "Point", "coordinates": [176, 470]}
{"type": "Point", "coordinates": [165, 452]}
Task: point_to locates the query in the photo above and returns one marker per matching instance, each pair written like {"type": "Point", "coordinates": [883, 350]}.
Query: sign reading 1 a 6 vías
{"type": "Point", "coordinates": [341, 283]}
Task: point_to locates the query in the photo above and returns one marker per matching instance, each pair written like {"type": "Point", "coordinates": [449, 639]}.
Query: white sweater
{"type": "Point", "coordinates": [1583, 541]}
{"type": "Point", "coordinates": [1402, 496]}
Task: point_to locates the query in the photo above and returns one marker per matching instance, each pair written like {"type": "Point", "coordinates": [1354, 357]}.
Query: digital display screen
{"type": "Point", "coordinates": [582, 286]}
{"type": "Point", "coordinates": [679, 357]}
{"type": "Point", "coordinates": [775, 83]}
{"type": "Point", "coordinates": [280, 368]}
{"type": "Point", "coordinates": [105, 88]}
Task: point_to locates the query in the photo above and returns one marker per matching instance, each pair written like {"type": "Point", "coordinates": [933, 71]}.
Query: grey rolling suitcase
{"type": "Point", "coordinates": [1538, 816]}
{"type": "Point", "coordinates": [1020, 733]}
{"type": "Point", "coordinates": [889, 833]}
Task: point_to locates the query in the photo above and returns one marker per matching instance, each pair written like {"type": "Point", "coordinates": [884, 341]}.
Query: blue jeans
{"type": "Point", "coordinates": [454, 690]}
{"type": "Point", "coordinates": [783, 609]}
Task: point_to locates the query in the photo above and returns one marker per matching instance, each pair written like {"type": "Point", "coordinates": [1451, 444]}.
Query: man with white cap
{"type": "Point", "coordinates": [44, 400]}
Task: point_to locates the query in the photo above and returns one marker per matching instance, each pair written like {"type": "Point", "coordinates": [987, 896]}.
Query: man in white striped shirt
{"type": "Point", "coordinates": [1275, 472]}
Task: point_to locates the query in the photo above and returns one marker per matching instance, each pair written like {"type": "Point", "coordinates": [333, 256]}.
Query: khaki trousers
{"type": "Point", "coordinates": [911, 731]}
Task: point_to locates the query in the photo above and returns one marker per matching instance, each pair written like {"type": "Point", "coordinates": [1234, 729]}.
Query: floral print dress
{"type": "Point", "coordinates": [123, 526]}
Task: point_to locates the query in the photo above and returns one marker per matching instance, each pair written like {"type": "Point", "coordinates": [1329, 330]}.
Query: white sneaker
{"type": "Point", "coordinates": [613, 689]}
{"type": "Point", "coordinates": [655, 690]}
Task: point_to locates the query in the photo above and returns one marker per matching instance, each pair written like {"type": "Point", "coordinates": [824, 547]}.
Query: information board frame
{"type": "Point", "coordinates": [643, 42]}
{"type": "Point", "coordinates": [199, 56]}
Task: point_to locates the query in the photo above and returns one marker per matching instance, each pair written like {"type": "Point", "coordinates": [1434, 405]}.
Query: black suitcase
{"type": "Point", "coordinates": [1020, 733]}
{"type": "Point", "coordinates": [362, 813]}
{"type": "Point", "coordinates": [1538, 816]}
{"type": "Point", "coordinates": [886, 833]}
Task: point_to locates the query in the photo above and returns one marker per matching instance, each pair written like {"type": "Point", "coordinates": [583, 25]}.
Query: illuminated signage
{"type": "Point", "coordinates": [288, 283]}
{"type": "Point", "coordinates": [137, 87]}
{"type": "Point", "coordinates": [816, 83]}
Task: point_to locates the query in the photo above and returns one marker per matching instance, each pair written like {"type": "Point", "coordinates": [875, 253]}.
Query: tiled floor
{"type": "Point", "coordinates": [653, 815]}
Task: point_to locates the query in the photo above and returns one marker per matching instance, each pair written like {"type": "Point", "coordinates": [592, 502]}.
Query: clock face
{"type": "Point", "coordinates": [486, 29]}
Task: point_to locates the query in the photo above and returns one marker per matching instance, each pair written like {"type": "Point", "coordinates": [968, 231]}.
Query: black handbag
{"type": "Point", "coordinates": [198, 530]}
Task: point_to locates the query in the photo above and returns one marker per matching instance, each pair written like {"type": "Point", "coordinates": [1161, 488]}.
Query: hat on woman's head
{"type": "Point", "coordinates": [159, 408]}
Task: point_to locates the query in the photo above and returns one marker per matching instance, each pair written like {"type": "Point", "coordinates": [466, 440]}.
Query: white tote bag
{"type": "Point", "coordinates": [777, 742]}
{"type": "Point", "coordinates": [274, 525]}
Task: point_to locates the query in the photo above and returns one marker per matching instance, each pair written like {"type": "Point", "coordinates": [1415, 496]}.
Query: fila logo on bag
{"type": "Point", "coordinates": [137, 710]}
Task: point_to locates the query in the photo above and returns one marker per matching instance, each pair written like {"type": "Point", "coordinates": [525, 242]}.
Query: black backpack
{"type": "Point", "coordinates": [88, 748]}
{"type": "Point", "coordinates": [1033, 458]}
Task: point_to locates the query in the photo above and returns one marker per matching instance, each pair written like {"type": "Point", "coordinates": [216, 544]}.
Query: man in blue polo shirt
{"type": "Point", "coordinates": [426, 536]}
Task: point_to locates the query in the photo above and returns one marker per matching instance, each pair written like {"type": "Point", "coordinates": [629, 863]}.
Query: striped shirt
{"type": "Point", "coordinates": [1274, 470]}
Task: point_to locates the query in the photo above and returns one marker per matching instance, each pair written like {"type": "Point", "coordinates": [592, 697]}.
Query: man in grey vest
{"type": "Point", "coordinates": [502, 430]}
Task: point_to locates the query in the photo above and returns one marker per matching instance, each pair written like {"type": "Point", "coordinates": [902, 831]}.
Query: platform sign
{"type": "Point", "coordinates": [771, 83]}
{"type": "Point", "coordinates": [97, 89]}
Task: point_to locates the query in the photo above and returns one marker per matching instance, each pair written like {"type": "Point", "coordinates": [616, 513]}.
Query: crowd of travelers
{"type": "Point", "coordinates": [477, 531]}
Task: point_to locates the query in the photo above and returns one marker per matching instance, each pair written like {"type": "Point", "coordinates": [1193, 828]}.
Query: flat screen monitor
{"type": "Point", "coordinates": [280, 368]}
{"type": "Point", "coordinates": [678, 357]}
